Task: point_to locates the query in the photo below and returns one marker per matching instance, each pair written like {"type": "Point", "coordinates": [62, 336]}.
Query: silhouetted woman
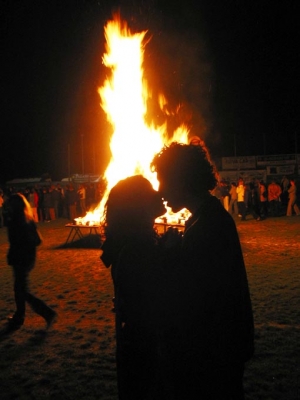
{"type": "Point", "coordinates": [140, 277]}
{"type": "Point", "coordinates": [23, 239]}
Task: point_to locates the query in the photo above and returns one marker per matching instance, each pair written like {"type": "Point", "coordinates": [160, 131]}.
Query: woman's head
{"type": "Point", "coordinates": [132, 206]}
{"type": "Point", "coordinates": [19, 208]}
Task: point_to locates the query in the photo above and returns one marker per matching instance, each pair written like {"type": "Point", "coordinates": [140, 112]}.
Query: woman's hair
{"type": "Point", "coordinates": [131, 207]}
{"type": "Point", "coordinates": [19, 209]}
{"type": "Point", "coordinates": [188, 164]}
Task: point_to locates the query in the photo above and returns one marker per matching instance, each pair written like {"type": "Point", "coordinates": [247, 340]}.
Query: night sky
{"type": "Point", "coordinates": [232, 65]}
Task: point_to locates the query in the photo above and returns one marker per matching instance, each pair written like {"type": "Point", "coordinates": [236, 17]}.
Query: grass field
{"type": "Point", "coordinates": [76, 358]}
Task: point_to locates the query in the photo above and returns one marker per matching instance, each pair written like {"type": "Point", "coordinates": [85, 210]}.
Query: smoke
{"type": "Point", "coordinates": [177, 65]}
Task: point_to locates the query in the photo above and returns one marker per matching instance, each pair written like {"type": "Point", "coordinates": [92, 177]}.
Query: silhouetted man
{"type": "Point", "coordinates": [214, 334]}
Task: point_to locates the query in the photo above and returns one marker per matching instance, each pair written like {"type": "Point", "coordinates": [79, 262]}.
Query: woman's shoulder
{"type": "Point", "coordinates": [140, 248]}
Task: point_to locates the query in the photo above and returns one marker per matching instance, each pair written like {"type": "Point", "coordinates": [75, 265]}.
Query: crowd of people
{"type": "Point", "coordinates": [52, 201]}
{"type": "Point", "coordinates": [258, 199]}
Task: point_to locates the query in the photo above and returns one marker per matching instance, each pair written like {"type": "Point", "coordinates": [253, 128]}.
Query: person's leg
{"type": "Point", "coordinates": [296, 209]}
{"type": "Point", "coordinates": [41, 308]}
{"type": "Point", "coordinates": [20, 290]}
{"type": "Point", "coordinates": [235, 207]}
{"type": "Point", "coordinates": [272, 208]}
{"type": "Point", "coordinates": [47, 214]}
{"type": "Point", "coordinates": [239, 208]}
{"type": "Point", "coordinates": [56, 212]}
{"type": "Point", "coordinates": [52, 213]}
{"type": "Point", "coordinates": [230, 208]}
{"type": "Point", "coordinates": [243, 210]}
{"type": "Point", "coordinates": [72, 209]}
{"type": "Point", "coordinates": [264, 209]}
{"type": "Point", "coordinates": [256, 212]}
{"type": "Point", "coordinates": [41, 214]}
{"type": "Point", "coordinates": [278, 208]}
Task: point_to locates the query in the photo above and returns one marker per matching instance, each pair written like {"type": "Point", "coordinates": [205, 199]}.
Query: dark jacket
{"type": "Point", "coordinates": [215, 307]}
{"type": "Point", "coordinates": [22, 239]}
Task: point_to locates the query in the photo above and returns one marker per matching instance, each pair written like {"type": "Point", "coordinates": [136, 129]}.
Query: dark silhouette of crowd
{"type": "Point", "coordinates": [259, 200]}
{"type": "Point", "coordinates": [254, 199]}
{"type": "Point", "coordinates": [49, 202]}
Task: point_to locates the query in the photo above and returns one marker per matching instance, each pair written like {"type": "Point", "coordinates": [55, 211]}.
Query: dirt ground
{"type": "Point", "coordinates": [75, 359]}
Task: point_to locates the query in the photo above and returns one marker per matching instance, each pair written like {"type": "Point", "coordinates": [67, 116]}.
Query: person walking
{"type": "Point", "coordinates": [23, 239]}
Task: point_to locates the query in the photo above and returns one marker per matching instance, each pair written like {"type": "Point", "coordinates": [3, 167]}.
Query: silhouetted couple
{"type": "Point", "coordinates": [184, 324]}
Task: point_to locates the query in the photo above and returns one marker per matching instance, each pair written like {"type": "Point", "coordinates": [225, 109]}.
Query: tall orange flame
{"type": "Point", "coordinates": [124, 99]}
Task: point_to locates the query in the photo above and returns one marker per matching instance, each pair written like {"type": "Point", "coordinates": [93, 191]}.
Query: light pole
{"type": "Point", "coordinates": [69, 162]}
{"type": "Point", "coordinates": [94, 160]}
{"type": "Point", "coordinates": [82, 159]}
{"type": "Point", "coordinates": [234, 143]}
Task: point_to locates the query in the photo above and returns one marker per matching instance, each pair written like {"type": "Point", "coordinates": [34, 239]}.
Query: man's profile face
{"type": "Point", "coordinates": [170, 191]}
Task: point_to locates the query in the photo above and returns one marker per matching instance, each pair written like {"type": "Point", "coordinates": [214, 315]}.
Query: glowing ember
{"type": "Point", "coordinates": [124, 98]}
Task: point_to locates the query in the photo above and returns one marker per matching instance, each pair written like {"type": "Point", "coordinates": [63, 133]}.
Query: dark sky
{"type": "Point", "coordinates": [232, 65]}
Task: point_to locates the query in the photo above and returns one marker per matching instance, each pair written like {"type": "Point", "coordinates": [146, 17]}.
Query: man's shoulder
{"type": "Point", "coordinates": [211, 214]}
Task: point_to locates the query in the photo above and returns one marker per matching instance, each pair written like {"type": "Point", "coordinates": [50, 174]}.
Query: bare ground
{"type": "Point", "coordinates": [75, 359]}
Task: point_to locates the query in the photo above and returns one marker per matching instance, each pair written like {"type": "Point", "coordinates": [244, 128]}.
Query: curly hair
{"type": "Point", "coordinates": [187, 163]}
